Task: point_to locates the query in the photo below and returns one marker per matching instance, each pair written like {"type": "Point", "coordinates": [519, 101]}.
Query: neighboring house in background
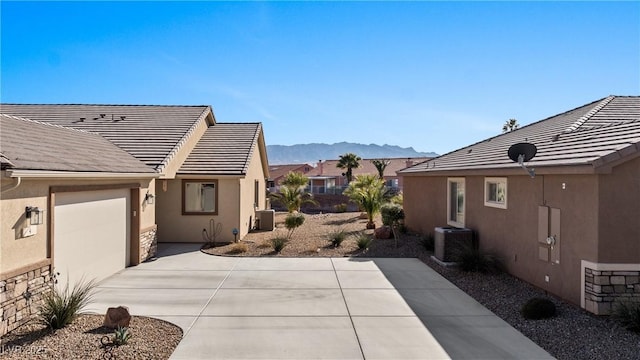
{"type": "Point", "coordinates": [109, 182]}
{"type": "Point", "coordinates": [278, 172]}
{"type": "Point", "coordinates": [327, 178]}
{"type": "Point", "coordinates": [573, 229]}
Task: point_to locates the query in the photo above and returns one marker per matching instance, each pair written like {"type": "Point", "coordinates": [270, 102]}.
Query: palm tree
{"type": "Point", "coordinates": [380, 165]}
{"type": "Point", "coordinates": [292, 192]}
{"type": "Point", "coordinates": [349, 161]}
{"type": "Point", "coordinates": [369, 193]}
{"type": "Point", "coordinates": [510, 125]}
{"type": "Point", "coordinates": [295, 179]}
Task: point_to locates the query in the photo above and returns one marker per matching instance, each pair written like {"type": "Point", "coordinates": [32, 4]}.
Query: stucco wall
{"type": "Point", "coordinates": [255, 172]}
{"type": "Point", "coordinates": [175, 227]}
{"type": "Point", "coordinates": [512, 233]}
{"type": "Point", "coordinates": [619, 214]}
{"type": "Point", "coordinates": [17, 251]}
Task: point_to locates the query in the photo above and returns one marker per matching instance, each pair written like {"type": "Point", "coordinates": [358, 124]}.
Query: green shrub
{"type": "Point", "coordinates": [292, 222]}
{"type": "Point", "coordinates": [538, 308]}
{"type": "Point", "coordinates": [391, 214]}
{"type": "Point", "coordinates": [428, 242]}
{"type": "Point", "coordinates": [337, 237]}
{"type": "Point", "coordinates": [473, 260]}
{"type": "Point", "coordinates": [61, 307]}
{"type": "Point", "coordinates": [121, 336]}
{"type": "Point", "coordinates": [278, 244]}
{"type": "Point", "coordinates": [627, 314]}
{"type": "Point", "coordinates": [340, 208]}
{"type": "Point", "coordinates": [363, 241]}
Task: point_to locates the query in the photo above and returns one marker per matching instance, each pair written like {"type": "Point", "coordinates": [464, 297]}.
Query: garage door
{"type": "Point", "coordinates": [91, 234]}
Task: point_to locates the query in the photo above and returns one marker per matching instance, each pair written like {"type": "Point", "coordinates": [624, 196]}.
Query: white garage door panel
{"type": "Point", "coordinates": [91, 234]}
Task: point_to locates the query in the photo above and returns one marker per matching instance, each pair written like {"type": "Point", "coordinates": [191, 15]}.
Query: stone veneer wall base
{"type": "Point", "coordinates": [148, 243]}
{"type": "Point", "coordinates": [21, 294]}
{"type": "Point", "coordinates": [604, 284]}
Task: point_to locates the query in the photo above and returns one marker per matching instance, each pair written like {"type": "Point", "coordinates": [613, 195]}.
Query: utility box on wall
{"type": "Point", "coordinates": [449, 241]}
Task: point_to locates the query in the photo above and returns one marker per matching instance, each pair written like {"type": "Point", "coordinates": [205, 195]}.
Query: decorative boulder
{"type": "Point", "coordinates": [383, 232]}
{"type": "Point", "coordinates": [117, 317]}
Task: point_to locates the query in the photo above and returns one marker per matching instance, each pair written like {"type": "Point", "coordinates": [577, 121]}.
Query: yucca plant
{"type": "Point", "coordinates": [61, 307]}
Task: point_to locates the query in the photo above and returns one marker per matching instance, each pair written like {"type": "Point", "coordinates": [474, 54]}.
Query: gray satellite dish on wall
{"type": "Point", "coordinates": [521, 153]}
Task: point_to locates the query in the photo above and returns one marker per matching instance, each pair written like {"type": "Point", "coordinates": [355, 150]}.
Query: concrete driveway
{"type": "Point", "coordinates": [311, 308]}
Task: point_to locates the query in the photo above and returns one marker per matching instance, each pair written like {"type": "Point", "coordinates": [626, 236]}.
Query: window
{"type": "Point", "coordinates": [199, 197]}
{"type": "Point", "coordinates": [455, 202]}
{"type": "Point", "coordinates": [256, 194]}
{"type": "Point", "coordinates": [495, 192]}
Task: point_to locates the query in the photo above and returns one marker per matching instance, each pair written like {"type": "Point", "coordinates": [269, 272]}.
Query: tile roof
{"type": "Point", "coordinates": [278, 171]}
{"type": "Point", "coordinates": [224, 149]}
{"type": "Point", "coordinates": [30, 145]}
{"type": "Point", "coordinates": [151, 133]}
{"type": "Point", "coordinates": [587, 135]}
{"type": "Point", "coordinates": [329, 167]}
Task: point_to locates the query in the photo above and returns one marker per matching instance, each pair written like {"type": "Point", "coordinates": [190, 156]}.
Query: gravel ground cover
{"type": "Point", "coordinates": [572, 334]}
{"type": "Point", "coordinates": [150, 339]}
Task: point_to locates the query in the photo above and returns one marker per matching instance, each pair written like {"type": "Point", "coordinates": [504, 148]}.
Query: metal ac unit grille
{"type": "Point", "coordinates": [267, 219]}
{"type": "Point", "coordinates": [449, 241]}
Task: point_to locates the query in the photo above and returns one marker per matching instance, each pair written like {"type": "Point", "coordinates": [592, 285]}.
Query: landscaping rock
{"type": "Point", "coordinates": [383, 232]}
{"type": "Point", "coordinates": [117, 317]}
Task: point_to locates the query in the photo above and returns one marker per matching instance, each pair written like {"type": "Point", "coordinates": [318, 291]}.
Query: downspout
{"type": "Point", "coordinates": [11, 187]}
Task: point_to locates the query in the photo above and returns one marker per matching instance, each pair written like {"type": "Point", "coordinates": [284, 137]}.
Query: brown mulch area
{"type": "Point", "coordinates": [150, 339]}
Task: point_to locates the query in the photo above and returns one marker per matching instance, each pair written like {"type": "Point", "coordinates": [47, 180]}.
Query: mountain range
{"type": "Point", "coordinates": [312, 153]}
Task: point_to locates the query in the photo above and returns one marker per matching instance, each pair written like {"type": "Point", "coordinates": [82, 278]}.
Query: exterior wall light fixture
{"type": "Point", "coordinates": [34, 215]}
{"type": "Point", "coordinates": [149, 198]}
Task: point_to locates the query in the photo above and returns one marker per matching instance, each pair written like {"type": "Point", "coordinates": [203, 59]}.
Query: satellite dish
{"type": "Point", "coordinates": [527, 150]}
{"type": "Point", "coordinates": [522, 152]}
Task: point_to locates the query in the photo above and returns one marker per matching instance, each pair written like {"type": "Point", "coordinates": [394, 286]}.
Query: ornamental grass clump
{"type": "Point", "coordinates": [61, 307]}
{"type": "Point", "coordinates": [278, 244]}
{"type": "Point", "coordinates": [627, 314]}
{"type": "Point", "coordinates": [363, 241]}
{"type": "Point", "coordinates": [337, 237]}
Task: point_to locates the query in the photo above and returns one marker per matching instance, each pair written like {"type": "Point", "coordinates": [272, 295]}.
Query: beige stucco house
{"type": "Point", "coordinates": [88, 190]}
{"type": "Point", "coordinates": [573, 229]}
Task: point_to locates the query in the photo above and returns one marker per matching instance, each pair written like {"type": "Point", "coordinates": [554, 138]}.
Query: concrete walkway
{"type": "Point", "coordinates": [311, 308]}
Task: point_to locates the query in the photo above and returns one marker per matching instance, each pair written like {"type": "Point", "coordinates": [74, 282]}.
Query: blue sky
{"type": "Point", "coordinates": [432, 75]}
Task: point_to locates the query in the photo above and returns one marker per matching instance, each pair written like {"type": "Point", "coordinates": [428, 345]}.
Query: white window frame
{"type": "Point", "coordinates": [186, 210]}
{"type": "Point", "coordinates": [456, 222]}
{"type": "Point", "coordinates": [498, 181]}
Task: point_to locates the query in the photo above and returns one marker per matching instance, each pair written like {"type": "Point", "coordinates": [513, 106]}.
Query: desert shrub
{"type": "Point", "coordinates": [428, 242]}
{"type": "Point", "coordinates": [337, 237]}
{"type": "Point", "coordinates": [292, 222]}
{"type": "Point", "coordinates": [238, 248]}
{"type": "Point", "coordinates": [627, 314]}
{"type": "Point", "coordinates": [363, 241]}
{"type": "Point", "coordinates": [538, 308]}
{"type": "Point", "coordinates": [473, 260]}
{"type": "Point", "coordinates": [61, 307]}
{"type": "Point", "coordinates": [392, 214]}
{"type": "Point", "coordinates": [121, 336]}
{"type": "Point", "coordinates": [278, 244]}
{"type": "Point", "coordinates": [340, 208]}
{"type": "Point", "coordinates": [398, 199]}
